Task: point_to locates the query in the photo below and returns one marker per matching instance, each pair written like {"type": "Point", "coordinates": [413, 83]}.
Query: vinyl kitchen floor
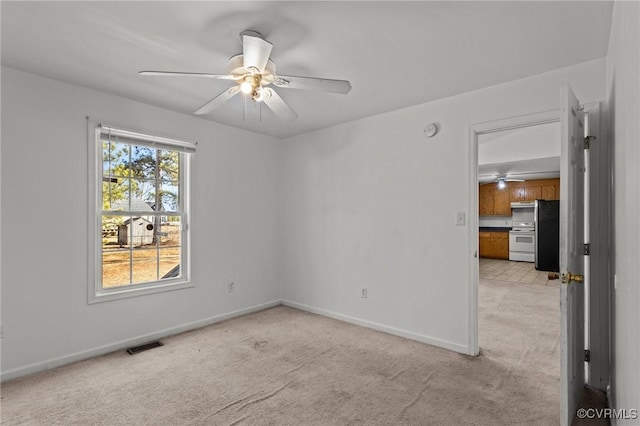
{"type": "Point", "coordinates": [519, 272]}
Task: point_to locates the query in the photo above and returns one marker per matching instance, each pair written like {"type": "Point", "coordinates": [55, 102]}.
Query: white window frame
{"type": "Point", "coordinates": [96, 293]}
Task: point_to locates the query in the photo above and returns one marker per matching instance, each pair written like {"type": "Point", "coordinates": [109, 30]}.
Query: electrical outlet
{"type": "Point", "coordinates": [231, 287]}
{"type": "Point", "coordinates": [363, 292]}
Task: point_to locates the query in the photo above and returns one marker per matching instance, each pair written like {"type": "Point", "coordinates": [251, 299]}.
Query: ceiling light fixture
{"type": "Point", "coordinates": [252, 85]}
{"type": "Point", "coordinates": [246, 87]}
{"type": "Point", "coordinates": [501, 184]}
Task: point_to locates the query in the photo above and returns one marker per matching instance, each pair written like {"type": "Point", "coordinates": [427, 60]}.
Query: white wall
{"type": "Point", "coordinates": [372, 203]}
{"type": "Point", "coordinates": [623, 96]}
{"type": "Point", "coordinates": [235, 209]}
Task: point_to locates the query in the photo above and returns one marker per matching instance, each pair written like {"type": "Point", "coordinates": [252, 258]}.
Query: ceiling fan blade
{"type": "Point", "coordinates": [189, 74]}
{"type": "Point", "coordinates": [514, 180]}
{"type": "Point", "coordinates": [256, 52]}
{"type": "Point", "coordinates": [218, 100]}
{"type": "Point", "coordinates": [311, 83]}
{"type": "Point", "coordinates": [278, 105]}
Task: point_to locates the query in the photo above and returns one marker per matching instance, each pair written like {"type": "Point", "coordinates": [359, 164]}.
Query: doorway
{"type": "Point", "coordinates": [517, 161]}
{"type": "Point", "coordinates": [491, 131]}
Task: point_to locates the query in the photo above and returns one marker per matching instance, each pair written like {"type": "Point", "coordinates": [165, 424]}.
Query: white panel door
{"type": "Point", "coordinates": [572, 171]}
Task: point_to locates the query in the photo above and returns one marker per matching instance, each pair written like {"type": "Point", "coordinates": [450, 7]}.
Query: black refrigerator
{"type": "Point", "coordinates": [547, 235]}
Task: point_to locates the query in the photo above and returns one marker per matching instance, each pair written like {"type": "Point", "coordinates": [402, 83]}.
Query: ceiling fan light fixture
{"type": "Point", "coordinates": [501, 183]}
{"type": "Point", "coordinates": [258, 94]}
{"type": "Point", "coordinates": [246, 87]}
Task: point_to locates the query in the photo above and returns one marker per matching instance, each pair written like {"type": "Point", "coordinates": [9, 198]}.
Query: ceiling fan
{"type": "Point", "coordinates": [502, 180]}
{"type": "Point", "coordinates": [253, 72]}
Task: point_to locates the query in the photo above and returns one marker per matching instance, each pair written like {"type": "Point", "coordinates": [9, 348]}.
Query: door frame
{"type": "Point", "coordinates": [475, 130]}
{"type": "Point", "coordinates": [600, 259]}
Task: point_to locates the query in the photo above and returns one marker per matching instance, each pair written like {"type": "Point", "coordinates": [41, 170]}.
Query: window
{"type": "Point", "coordinates": [141, 214]}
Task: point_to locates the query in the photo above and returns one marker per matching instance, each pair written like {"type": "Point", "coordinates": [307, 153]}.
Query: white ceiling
{"type": "Point", "coordinates": [536, 168]}
{"type": "Point", "coordinates": [531, 152]}
{"type": "Point", "coordinates": [396, 54]}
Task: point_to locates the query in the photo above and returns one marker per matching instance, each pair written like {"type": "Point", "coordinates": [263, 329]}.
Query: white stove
{"type": "Point", "coordinates": [522, 242]}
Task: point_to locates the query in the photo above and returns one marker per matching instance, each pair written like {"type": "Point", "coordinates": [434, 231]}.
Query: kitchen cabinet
{"type": "Point", "coordinates": [497, 202]}
{"type": "Point", "coordinates": [500, 245]}
{"type": "Point", "coordinates": [532, 193]}
{"type": "Point", "coordinates": [494, 245]}
{"type": "Point", "coordinates": [544, 189]}
{"type": "Point", "coordinates": [521, 193]}
{"type": "Point", "coordinates": [486, 197]}
{"type": "Point", "coordinates": [485, 244]}
{"type": "Point", "coordinates": [494, 201]}
{"type": "Point", "coordinates": [501, 202]}
{"type": "Point", "coordinates": [516, 192]}
{"type": "Point", "coordinates": [551, 190]}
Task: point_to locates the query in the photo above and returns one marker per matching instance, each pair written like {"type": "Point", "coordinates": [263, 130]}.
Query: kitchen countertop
{"type": "Point", "coordinates": [495, 229]}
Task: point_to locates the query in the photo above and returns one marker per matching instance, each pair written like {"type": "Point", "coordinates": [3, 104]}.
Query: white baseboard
{"type": "Point", "coordinates": [101, 350]}
{"type": "Point", "coordinates": [380, 327]}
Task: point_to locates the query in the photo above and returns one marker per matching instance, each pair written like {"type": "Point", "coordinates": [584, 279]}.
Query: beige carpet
{"type": "Point", "coordinates": [287, 367]}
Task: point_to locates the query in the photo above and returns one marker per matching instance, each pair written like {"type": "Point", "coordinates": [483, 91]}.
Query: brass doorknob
{"type": "Point", "coordinates": [569, 277]}
{"type": "Point", "coordinates": [566, 278]}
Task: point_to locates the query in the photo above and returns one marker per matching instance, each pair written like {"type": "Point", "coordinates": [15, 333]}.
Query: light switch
{"type": "Point", "coordinates": [460, 219]}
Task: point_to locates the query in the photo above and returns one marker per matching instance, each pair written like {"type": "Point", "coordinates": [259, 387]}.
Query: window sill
{"type": "Point", "coordinates": [136, 290]}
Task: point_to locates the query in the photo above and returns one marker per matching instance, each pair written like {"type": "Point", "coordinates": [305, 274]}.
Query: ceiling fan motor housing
{"type": "Point", "coordinates": [236, 68]}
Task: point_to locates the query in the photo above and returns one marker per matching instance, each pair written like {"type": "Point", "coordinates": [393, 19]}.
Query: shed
{"type": "Point", "coordinates": [139, 229]}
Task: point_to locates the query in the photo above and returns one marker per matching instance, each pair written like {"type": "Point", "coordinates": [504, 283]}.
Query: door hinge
{"type": "Point", "coordinates": [587, 142]}
{"type": "Point", "coordinates": [587, 355]}
{"type": "Point", "coordinates": [586, 249]}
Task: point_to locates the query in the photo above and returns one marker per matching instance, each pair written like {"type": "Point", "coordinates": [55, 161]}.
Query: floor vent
{"type": "Point", "coordinates": [137, 349]}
